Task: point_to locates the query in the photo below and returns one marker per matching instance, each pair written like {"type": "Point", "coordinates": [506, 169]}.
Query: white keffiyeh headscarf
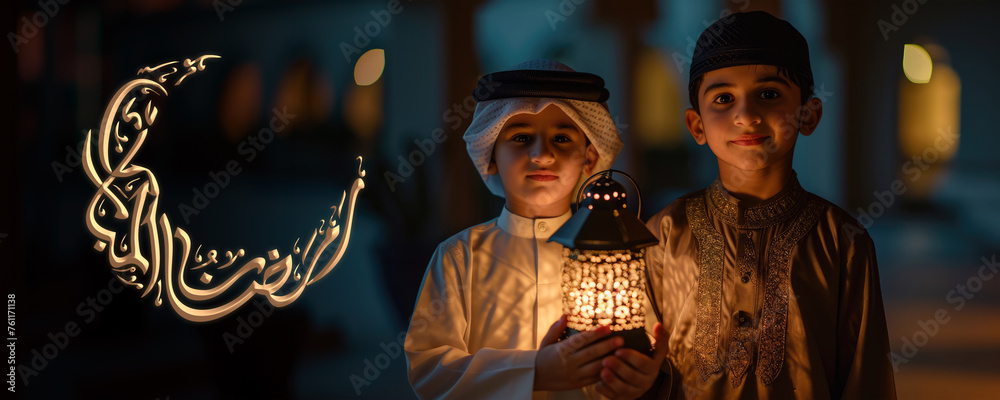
{"type": "Point", "coordinates": [491, 115]}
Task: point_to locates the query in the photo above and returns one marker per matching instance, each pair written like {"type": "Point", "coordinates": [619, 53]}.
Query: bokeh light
{"type": "Point", "coordinates": [369, 67]}
{"type": "Point", "coordinates": [917, 63]}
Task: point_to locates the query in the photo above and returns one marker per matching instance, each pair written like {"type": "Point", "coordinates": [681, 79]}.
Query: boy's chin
{"type": "Point", "coordinates": [754, 165]}
{"type": "Point", "coordinates": [547, 201]}
{"type": "Point", "coordinates": [544, 198]}
{"type": "Point", "coordinates": [752, 160]}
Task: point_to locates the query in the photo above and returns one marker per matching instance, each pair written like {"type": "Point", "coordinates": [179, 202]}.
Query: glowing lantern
{"type": "Point", "coordinates": [604, 269]}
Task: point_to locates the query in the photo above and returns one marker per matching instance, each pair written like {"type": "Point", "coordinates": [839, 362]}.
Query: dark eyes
{"type": "Point", "coordinates": [723, 99]}
{"type": "Point", "coordinates": [770, 94]}
{"type": "Point", "coordinates": [525, 138]}
{"type": "Point", "coordinates": [767, 94]}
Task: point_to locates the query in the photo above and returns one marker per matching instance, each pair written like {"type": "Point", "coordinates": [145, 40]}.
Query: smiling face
{"type": "Point", "coordinates": [540, 157]}
{"type": "Point", "coordinates": [750, 117]}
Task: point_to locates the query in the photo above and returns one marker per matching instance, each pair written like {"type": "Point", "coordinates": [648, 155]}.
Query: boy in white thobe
{"type": "Point", "coordinates": [483, 323]}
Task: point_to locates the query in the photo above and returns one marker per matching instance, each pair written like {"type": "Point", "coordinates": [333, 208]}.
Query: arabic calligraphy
{"type": "Point", "coordinates": [146, 251]}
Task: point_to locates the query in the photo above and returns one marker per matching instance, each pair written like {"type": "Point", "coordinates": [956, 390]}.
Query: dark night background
{"type": "Point", "coordinates": [288, 55]}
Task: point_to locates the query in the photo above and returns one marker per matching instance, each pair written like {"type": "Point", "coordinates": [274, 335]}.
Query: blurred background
{"type": "Point", "coordinates": [905, 145]}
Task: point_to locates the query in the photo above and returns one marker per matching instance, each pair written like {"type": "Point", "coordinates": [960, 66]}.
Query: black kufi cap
{"type": "Point", "coordinates": [542, 83]}
{"type": "Point", "coordinates": [751, 38]}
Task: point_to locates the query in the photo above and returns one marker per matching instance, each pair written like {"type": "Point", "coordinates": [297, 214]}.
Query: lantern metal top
{"type": "Point", "coordinates": [603, 220]}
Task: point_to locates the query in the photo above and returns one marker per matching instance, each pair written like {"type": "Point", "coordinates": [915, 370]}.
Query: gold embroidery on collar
{"type": "Point", "coordinates": [784, 205]}
{"type": "Point", "coordinates": [774, 319]}
{"type": "Point", "coordinates": [709, 288]}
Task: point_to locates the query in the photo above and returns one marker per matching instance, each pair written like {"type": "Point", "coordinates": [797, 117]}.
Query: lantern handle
{"type": "Point", "coordinates": [579, 193]}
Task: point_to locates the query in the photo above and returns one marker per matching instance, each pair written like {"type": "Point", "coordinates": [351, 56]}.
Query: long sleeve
{"type": "Point", "coordinates": [864, 369]}
{"type": "Point", "coordinates": [667, 290]}
{"type": "Point", "coordinates": [440, 363]}
{"type": "Point", "coordinates": [654, 272]}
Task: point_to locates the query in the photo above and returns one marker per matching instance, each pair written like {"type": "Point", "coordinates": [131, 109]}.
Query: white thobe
{"type": "Point", "coordinates": [489, 296]}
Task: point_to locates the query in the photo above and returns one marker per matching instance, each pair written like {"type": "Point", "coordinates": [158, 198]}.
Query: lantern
{"type": "Point", "coordinates": [604, 270]}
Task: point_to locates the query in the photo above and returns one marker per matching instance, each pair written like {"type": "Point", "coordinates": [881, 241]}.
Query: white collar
{"type": "Point", "coordinates": [538, 228]}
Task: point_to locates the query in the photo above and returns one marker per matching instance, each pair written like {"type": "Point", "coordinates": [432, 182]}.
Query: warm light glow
{"type": "Point", "coordinates": [364, 109]}
{"type": "Point", "coordinates": [588, 279]}
{"type": "Point", "coordinates": [240, 102]}
{"type": "Point", "coordinates": [917, 63]}
{"type": "Point", "coordinates": [306, 92]}
{"type": "Point", "coordinates": [658, 101]}
{"type": "Point", "coordinates": [929, 118]}
{"type": "Point", "coordinates": [369, 67]}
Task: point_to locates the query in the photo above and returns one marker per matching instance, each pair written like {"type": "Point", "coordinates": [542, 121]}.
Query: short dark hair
{"type": "Point", "coordinates": [805, 85]}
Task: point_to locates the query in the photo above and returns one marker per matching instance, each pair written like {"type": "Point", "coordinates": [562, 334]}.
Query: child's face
{"type": "Point", "coordinates": [750, 117]}
{"type": "Point", "coordinates": [540, 157]}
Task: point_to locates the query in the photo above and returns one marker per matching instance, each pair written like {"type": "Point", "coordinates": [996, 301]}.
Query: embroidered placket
{"type": "Point", "coordinates": [792, 202]}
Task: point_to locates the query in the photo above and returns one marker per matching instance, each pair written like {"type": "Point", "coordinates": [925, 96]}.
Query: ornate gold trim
{"type": "Point", "coordinates": [746, 262]}
{"type": "Point", "coordinates": [782, 206]}
{"type": "Point", "coordinates": [710, 260]}
{"type": "Point", "coordinates": [739, 354]}
{"type": "Point", "coordinates": [793, 201]}
{"type": "Point", "coordinates": [774, 318]}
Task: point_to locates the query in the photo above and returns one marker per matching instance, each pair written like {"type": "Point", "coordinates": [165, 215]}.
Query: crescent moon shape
{"type": "Point", "coordinates": [146, 251]}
